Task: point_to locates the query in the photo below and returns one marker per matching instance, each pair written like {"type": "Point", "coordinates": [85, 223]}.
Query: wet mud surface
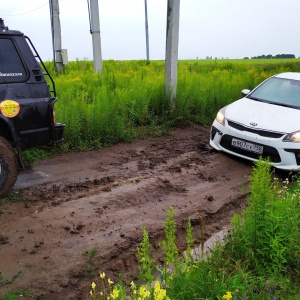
{"type": "Point", "coordinates": [97, 202]}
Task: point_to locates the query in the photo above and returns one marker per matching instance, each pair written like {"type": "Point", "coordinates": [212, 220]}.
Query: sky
{"type": "Point", "coordinates": [207, 28]}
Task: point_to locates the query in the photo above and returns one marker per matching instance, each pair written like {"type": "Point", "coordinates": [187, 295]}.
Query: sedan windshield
{"type": "Point", "coordinates": [280, 91]}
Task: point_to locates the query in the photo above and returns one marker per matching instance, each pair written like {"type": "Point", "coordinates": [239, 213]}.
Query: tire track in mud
{"type": "Point", "coordinates": [124, 188]}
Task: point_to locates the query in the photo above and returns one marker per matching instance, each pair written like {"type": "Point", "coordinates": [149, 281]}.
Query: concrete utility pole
{"type": "Point", "coordinates": [95, 31]}
{"type": "Point", "coordinates": [172, 50]}
{"type": "Point", "coordinates": [147, 32]}
{"type": "Point", "coordinates": [56, 35]}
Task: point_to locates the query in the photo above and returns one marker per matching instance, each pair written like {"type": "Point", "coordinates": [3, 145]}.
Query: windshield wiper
{"type": "Point", "coordinates": [256, 99]}
{"type": "Point", "coordinates": [283, 104]}
{"type": "Point", "coordinates": [275, 103]}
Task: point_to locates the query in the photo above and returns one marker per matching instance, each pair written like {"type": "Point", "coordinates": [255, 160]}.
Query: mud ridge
{"type": "Point", "coordinates": [101, 199]}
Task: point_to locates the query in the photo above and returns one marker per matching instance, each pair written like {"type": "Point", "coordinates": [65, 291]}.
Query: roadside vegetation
{"type": "Point", "coordinates": [127, 101]}
{"type": "Point", "coordinates": [259, 259]}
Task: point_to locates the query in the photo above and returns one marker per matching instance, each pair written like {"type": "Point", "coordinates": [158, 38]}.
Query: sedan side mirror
{"type": "Point", "coordinates": [245, 92]}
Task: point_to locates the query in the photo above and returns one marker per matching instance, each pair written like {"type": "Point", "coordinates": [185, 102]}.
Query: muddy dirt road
{"type": "Point", "coordinates": [100, 200]}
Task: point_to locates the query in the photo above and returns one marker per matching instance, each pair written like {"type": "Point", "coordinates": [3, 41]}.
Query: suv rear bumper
{"type": "Point", "coordinates": [58, 130]}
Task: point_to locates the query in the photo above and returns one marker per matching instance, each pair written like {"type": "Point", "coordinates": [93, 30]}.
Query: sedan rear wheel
{"type": "Point", "coordinates": [9, 168]}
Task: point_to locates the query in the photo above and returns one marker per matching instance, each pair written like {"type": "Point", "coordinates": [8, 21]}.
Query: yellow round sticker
{"type": "Point", "coordinates": [9, 108]}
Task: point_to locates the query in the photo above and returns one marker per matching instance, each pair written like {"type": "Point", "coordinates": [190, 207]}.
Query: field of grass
{"type": "Point", "coordinates": [128, 101]}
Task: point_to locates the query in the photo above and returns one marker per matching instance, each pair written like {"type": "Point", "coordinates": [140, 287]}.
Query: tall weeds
{"type": "Point", "coordinates": [267, 233]}
{"type": "Point", "coordinates": [129, 95]}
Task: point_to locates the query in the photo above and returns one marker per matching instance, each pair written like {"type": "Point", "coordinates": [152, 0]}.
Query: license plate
{"type": "Point", "coordinates": [247, 146]}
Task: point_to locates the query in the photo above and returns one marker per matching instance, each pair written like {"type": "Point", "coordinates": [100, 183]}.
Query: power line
{"type": "Point", "coordinates": [28, 12]}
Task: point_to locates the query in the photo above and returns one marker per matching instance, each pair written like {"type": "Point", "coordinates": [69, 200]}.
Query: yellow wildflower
{"type": "Point", "coordinates": [227, 296]}
{"type": "Point", "coordinates": [93, 285]}
{"type": "Point", "coordinates": [144, 294]}
{"type": "Point", "coordinates": [159, 294]}
{"type": "Point", "coordinates": [102, 275]}
{"type": "Point", "coordinates": [115, 293]}
{"type": "Point", "coordinates": [132, 285]}
{"type": "Point", "coordinates": [109, 281]}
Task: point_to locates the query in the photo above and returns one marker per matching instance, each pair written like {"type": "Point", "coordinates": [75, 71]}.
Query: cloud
{"type": "Point", "coordinates": [217, 28]}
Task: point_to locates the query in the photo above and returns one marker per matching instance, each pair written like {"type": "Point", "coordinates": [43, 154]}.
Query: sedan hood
{"type": "Point", "coordinates": [267, 116]}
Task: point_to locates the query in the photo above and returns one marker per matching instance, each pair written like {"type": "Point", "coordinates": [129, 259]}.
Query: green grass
{"type": "Point", "coordinates": [17, 295]}
{"type": "Point", "coordinates": [13, 294]}
{"type": "Point", "coordinates": [13, 196]}
{"type": "Point", "coordinates": [89, 263]}
{"type": "Point", "coordinates": [127, 101]}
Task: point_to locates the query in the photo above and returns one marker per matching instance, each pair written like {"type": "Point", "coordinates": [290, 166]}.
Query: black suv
{"type": "Point", "coordinates": [27, 115]}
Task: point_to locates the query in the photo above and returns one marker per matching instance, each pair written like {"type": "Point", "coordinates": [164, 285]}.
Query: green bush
{"type": "Point", "coordinates": [267, 234]}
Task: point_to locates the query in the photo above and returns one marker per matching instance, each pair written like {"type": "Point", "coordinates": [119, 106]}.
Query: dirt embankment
{"type": "Point", "coordinates": [97, 202]}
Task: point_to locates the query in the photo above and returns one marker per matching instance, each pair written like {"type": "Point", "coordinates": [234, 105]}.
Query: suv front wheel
{"type": "Point", "coordinates": [9, 167]}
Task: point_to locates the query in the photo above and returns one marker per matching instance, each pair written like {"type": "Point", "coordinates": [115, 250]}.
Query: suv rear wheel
{"type": "Point", "coordinates": [9, 168]}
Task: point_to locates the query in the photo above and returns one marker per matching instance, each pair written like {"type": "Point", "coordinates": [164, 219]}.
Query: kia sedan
{"type": "Point", "coordinates": [264, 123]}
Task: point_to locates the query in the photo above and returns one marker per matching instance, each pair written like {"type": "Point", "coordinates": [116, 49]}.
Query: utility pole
{"type": "Point", "coordinates": [147, 32]}
{"type": "Point", "coordinates": [56, 35]}
{"type": "Point", "coordinates": [171, 60]}
{"type": "Point", "coordinates": [95, 31]}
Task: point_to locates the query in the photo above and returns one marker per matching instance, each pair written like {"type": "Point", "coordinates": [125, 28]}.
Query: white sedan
{"type": "Point", "coordinates": [265, 123]}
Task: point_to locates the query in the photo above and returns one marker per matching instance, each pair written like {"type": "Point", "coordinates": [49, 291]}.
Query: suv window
{"type": "Point", "coordinates": [11, 66]}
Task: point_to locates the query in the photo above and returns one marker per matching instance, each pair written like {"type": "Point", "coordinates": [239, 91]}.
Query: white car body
{"type": "Point", "coordinates": [253, 127]}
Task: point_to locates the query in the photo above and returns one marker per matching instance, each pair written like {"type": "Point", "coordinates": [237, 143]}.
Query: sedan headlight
{"type": "Point", "coordinates": [292, 137]}
{"type": "Point", "coordinates": [221, 116]}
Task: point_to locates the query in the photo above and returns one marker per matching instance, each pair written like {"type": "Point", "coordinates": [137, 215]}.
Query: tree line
{"type": "Point", "coordinates": [269, 56]}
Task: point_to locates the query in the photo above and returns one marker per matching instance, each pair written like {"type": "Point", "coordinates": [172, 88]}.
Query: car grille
{"type": "Point", "coordinates": [270, 152]}
{"type": "Point", "coordinates": [260, 132]}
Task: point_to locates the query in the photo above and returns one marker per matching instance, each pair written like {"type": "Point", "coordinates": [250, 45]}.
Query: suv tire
{"type": "Point", "coordinates": [9, 168]}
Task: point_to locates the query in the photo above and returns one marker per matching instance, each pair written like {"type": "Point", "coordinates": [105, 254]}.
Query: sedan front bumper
{"type": "Point", "coordinates": [282, 155]}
